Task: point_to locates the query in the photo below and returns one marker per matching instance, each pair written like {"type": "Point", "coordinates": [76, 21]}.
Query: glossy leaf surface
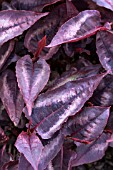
{"type": "Point", "coordinates": [11, 59]}
{"type": "Point", "coordinates": [53, 108]}
{"type": "Point", "coordinates": [24, 163]}
{"type": "Point", "coordinates": [91, 152]}
{"type": "Point", "coordinates": [37, 5]}
{"type": "Point", "coordinates": [73, 74]}
{"type": "Point", "coordinates": [13, 23]}
{"type": "Point", "coordinates": [105, 3]}
{"type": "Point", "coordinates": [51, 150]}
{"type": "Point", "coordinates": [103, 94]}
{"type": "Point", "coordinates": [104, 47]}
{"type": "Point", "coordinates": [51, 24]}
{"type": "Point", "coordinates": [31, 147]}
{"type": "Point", "coordinates": [79, 27]}
{"type": "Point", "coordinates": [5, 51]}
{"type": "Point", "coordinates": [89, 123]}
{"type": "Point", "coordinates": [31, 78]}
{"type": "Point", "coordinates": [10, 96]}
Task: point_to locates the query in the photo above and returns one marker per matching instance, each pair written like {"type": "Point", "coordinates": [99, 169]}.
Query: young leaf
{"type": "Point", "coordinates": [5, 51]}
{"type": "Point", "coordinates": [79, 27]}
{"type": "Point", "coordinates": [53, 108]}
{"type": "Point", "coordinates": [89, 123]}
{"type": "Point", "coordinates": [10, 96]}
{"type": "Point", "coordinates": [51, 24]}
{"type": "Point", "coordinates": [13, 23]}
{"type": "Point", "coordinates": [30, 5]}
{"type": "Point", "coordinates": [31, 78]}
{"type": "Point", "coordinates": [104, 45]}
{"type": "Point", "coordinates": [87, 153]}
{"type": "Point", "coordinates": [41, 45]}
{"type": "Point", "coordinates": [50, 151]}
{"type": "Point", "coordinates": [105, 3]}
{"type": "Point", "coordinates": [31, 147]}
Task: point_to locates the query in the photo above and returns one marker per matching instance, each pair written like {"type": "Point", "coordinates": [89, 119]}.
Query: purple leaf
{"type": "Point", "coordinates": [4, 157]}
{"type": "Point", "coordinates": [31, 78]}
{"type": "Point", "coordinates": [3, 137]}
{"type": "Point", "coordinates": [72, 75]}
{"type": "Point", "coordinates": [24, 163]}
{"type": "Point", "coordinates": [50, 151]}
{"type": "Point", "coordinates": [71, 9]}
{"type": "Point", "coordinates": [5, 51]}
{"type": "Point", "coordinates": [103, 95]}
{"type": "Point", "coordinates": [87, 153]}
{"type": "Point", "coordinates": [10, 96]}
{"type": "Point", "coordinates": [79, 27]}
{"type": "Point", "coordinates": [104, 47]}
{"type": "Point", "coordinates": [31, 147]}
{"type": "Point", "coordinates": [51, 24]}
{"type": "Point", "coordinates": [13, 23]}
{"type": "Point", "coordinates": [89, 123]}
{"type": "Point", "coordinates": [12, 58]}
{"type": "Point", "coordinates": [30, 5]}
{"type": "Point", "coordinates": [6, 6]}
{"type": "Point", "coordinates": [53, 108]}
{"type": "Point", "coordinates": [11, 165]}
{"type": "Point", "coordinates": [109, 126]}
{"type": "Point", "coordinates": [105, 3]}
{"type": "Point", "coordinates": [61, 161]}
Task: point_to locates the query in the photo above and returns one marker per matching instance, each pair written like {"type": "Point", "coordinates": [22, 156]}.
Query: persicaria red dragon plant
{"type": "Point", "coordinates": [56, 83]}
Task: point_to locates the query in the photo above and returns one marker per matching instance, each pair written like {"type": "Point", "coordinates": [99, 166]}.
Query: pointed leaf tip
{"type": "Point", "coordinates": [31, 78]}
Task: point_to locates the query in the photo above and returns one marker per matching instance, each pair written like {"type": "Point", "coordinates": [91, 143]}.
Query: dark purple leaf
{"type": "Point", "coordinates": [3, 137]}
{"type": "Point", "coordinates": [82, 62]}
{"type": "Point", "coordinates": [5, 51]}
{"type": "Point", "coordinates": [51, 24]}
{"type": "Point", "coordinates": [4, 157]}
{"type": "Point", "coordinates": [104, 47]}
{"type": "Point", "coordinates": [11, 165]}
{"type": "Point", "coordinates": [53, 108]}
{"type": "Point", "coordinates": [31, 147]}
{"type": "Point", "coordinates": [71, 9]}
{"type": "Point", "coordinates": [6, 6]}
{"type": "Point", "coordinates": [30, 5]}
{"type": "Point", "coordinates": [50, 53]}
{"type": "Point", "coordinates": [110, 141]}
{"type": "Point", "coordinates": [103, 95]}
{"type": "Point", "coordinates": [13, 23]}
{"type": "Point", "coordinates": [105, 3]}
{"type": "Point", "coordinates": [87, 153]}
{"type": "Point", "coordinates": [31, 78]}
{"type": "Point", "coordinates": [79, 27]}
{"type": "Point", "coordinates": [89, 123]}
{"type": "Point", "coordinates": [50, 151]}
{"type": "Point", "coordinates": [12, 58]}
{"type": "Point", "coordinates": [72, 75]}
{"type": "Point", "coordinates": [61, 161]}
{"type": "Point", "coordinates": [10, 96]}
{"type": "Point", "coordinates": [109, 126]}
{"type": "Point", "coordinates": [24, 163]}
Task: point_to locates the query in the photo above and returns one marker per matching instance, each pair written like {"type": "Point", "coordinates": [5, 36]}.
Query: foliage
{"type": "Point", "coordinates": [40, 112]}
